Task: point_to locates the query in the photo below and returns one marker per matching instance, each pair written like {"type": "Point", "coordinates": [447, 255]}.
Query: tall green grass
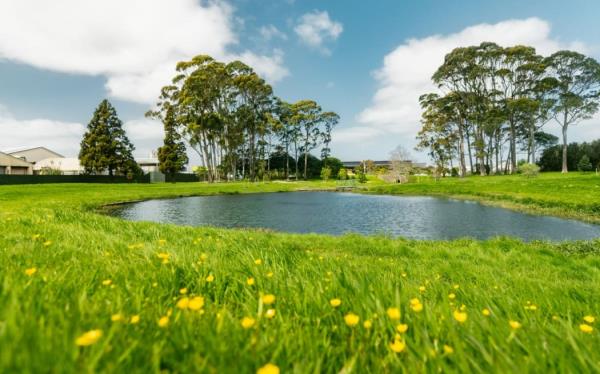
{"type": "Point", "coordinates": [91, 269]}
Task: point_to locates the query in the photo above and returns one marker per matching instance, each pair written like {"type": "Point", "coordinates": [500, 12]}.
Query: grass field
{"type": "Point", "coordinates": [83, 292]}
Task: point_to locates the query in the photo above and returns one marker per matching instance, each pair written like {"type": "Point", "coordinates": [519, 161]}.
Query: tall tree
{"type": "Point", "coordinates": [576, 92]}
{"type": "Point", "coordinates": [105, 145]}
{"type": "Point", "coordinates": [172, 157]}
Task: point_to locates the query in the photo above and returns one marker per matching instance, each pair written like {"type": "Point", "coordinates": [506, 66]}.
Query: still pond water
{"type": "Point", "coordinates": [338, 213]}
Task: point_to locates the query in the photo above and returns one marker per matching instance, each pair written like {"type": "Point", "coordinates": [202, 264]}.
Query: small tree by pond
{"type": "Point", "coordinates": [325, 173]}
{"type": "Point", "coordinates": [529, 170]}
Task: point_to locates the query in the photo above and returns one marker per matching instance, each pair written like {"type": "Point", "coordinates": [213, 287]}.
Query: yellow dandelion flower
{"type": "Point", "coordinates": [106, 282]}
{"type": "Point", "coordinates": [35, 237]}
{"type": "Point", "coordinates": [183, 303]}
{"type": "Point", "coordinates": [422, 289]}
{"type": "Point", "coordinates": [402, 328]}
{"type": "Point", "coordinates": [393, 313]}
{"type": "Point", "coordinates": [452, 296]}
{"type": "Point", "coordinates": [398, 346]}
{"type": "Point", "coordinates": [30, 271]}
{"type": "Point", "coordinates": [268, 299]}
{"type": "Point", "coordinates": [248, 322]}
{"type": "Point", "coordinates": [367, 324]}
{"type": "Point", "coordinates": [270, 274]}
{"type": "Point", "coordinates": [415, 305]}
{"type": "Point", "coordinates": [88, 338]}
{"type": "Point", "coordinates": [463, 308]}
{"type": "Point", "coordinates": [183, 291]}
{"type": "Point", "coordinates": [210, 278]}
{"type": "Point", "coordinates": [258, 261]}
{"type": "Point", "coordinates": [335, 302]}
{"type": "Point", "coordinates": [555, 318]}
{"type": "Point", "coordinates": [415, 301]}
{"type": "Point", "coordinates": [456, 286]}
{"type": "Point", "coordinates": [162, 242]}
{"type": "Point", "coordinates": [116, 317]}
{"type": "Point", "coordinates": [486, 312]}
{"type": "Point", "coordinates": [586, 328]}
{"type": "Point", "coordinates": [448, 350]}
{"type": "Point", "coordinates": [250, 281]}
{"type": "Point", "coordinates": [134, 319]}
{"type": "Point", "coordinates": [403, 275]}
{"type": "Point", "coordinates": [196, 303]}
{"type": "Point", "coordinates": [515, 325]}
{"type": "Point", "coordinates": [351, 319]}
{"type": "Point", "coordinates": [270, 313]}
{"type": "Point", "coordinates": [268, 369]}
{"type": "Point", "coordinates": [460, 316]}
{"type": "Point", "coordinates": [589, 319]}
{"type": "Point", "coordinates": [47, 243]}
{"type": "Point", "coordinates": [163, 321]}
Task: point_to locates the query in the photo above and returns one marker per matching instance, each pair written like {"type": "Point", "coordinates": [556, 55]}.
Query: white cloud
{"type": "Point", "coordinates": [62, 137]}
{"type": "Point", "coordinates": [271, 32]}
{"type": "Point", "coordinates": [407, 70]}
{"type": "Point", "coordinates": [134, 44]}
{"type": "Point", "coordinates": [271, 66]}
{"type": "Point", "coordinates": [316, 28]}
{"type": "Point", "coordinates": [65, 137]}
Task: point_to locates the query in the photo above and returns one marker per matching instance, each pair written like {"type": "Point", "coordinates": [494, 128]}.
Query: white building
{"type": "Point", "coordinates": [13, 165]}
{"type": "Point", "coordinates": [66, 165]}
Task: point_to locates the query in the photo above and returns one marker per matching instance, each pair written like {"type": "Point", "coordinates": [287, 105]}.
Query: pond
{"type": "Point", "coordinates": [337, 213]}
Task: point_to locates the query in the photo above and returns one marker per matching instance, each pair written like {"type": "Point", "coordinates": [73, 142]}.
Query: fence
{"type": "Point", "coordinates": [42, 179]}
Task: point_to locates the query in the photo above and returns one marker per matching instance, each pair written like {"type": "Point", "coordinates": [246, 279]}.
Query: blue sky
{"type": "Point", "coordinates": [353, 57]}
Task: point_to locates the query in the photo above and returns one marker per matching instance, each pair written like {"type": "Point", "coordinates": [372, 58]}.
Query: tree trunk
{"type": "Point", "coordinates": [461, 151]}
{"type": "Point", "coordinates": [513, 148]}
{"type": "Point", "coordinates": [305, 165]}
{"type": "Point", "coordinates": [469, 149]}
{"type": "Point", "coordinates": [565, 168]}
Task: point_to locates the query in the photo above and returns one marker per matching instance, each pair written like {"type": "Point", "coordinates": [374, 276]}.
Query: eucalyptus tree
{"type": "Point", "coordinates": [307, 116]}
{"type": "Point", "coordinates": [576, 92]}
{"type": "Point", "coordinates": [330, 120]}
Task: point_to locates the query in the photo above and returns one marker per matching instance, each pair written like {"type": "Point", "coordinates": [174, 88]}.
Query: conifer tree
{"type": "Point", "coordinates": [171, 156]}
{"type": "Point", "coordinates": [105, 145]}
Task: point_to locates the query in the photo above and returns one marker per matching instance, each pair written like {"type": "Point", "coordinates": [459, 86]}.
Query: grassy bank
{"type": "Point", "coordinates": [67, 270]}
{"type": "Point", "coordinates": [574, 195]}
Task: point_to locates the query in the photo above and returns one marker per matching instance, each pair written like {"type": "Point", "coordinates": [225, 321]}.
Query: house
{"type": "Point", "coordinates": [34, 155]}
{"type": "Point", "coordinates": [66, 166]}
{"type": "Point", "coordinates": [14, 166]}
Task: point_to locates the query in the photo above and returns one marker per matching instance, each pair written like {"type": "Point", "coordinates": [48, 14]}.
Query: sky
{"type": "Point", "coordinates": [369, 61]}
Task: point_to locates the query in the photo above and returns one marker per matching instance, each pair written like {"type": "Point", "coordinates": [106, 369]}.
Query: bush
{"type": "Point", "coordinates": [529, 170]}
{"type": "Point", "coordinates": [584, 164]}
{"type": "Point", "coordinates": [362, 177]}
{"type": "Point", "coordinates": [342, 174]}
{"type": "Point", "coordinates": [325, 173]}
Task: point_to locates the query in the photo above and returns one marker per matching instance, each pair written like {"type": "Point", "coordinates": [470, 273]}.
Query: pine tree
{"type": "Point", "coordinates": [171, 156]}
{"type": "Point", "coordinates": [105, 145]}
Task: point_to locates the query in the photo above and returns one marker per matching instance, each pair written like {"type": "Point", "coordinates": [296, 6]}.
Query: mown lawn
{"type": "Point", "coordinates": [180, 299]}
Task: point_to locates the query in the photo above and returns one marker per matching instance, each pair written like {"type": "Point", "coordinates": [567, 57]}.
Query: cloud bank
{"type": "Point", "coordinates": [134, 44]}
{"type": "Point", "coordinates": [316, 28]}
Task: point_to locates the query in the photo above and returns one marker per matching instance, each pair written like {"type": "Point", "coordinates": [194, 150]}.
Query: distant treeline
{"type": "Point", "coordinates": [580, 156]}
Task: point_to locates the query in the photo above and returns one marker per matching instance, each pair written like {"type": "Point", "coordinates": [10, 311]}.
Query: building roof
{"type": "Point", "coordinates": [10, 160]}
{"type": "Point", "coordinates": [14, 151]}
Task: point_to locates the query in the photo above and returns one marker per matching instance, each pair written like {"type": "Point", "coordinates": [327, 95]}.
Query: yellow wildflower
{"type": "Point", "coordinates": [30, 271]}
{"type": "Point", "coordinates": [460, 316]}
{"type": "Point", "coordinates": [367, 324]}
{"type": "Point", "coordinates": [270, 313]}
{"type": "Point", "coordinates": [196, 303]}
{"type": "Point", "coordinates": [268, 299]}
{"type": "Point", "coordinates": [258, 261]}
{"type": "Point", "coordinates": [422, 289]}
{"type": "Point", "coordinates": [183, 303]}
{"type": "Point", "coordinates": [88, 338]}
{"type": "Point", "coordinates": [250, 281]}
{"type": "Point", "coordinates": [398, 346]}
{"type": "Point", "coordinates": [403, 275]}
{"type": "Point", "coordinates": [485, 312]}
{"type": "Point", "coordinates": [270, 274]}
{"type": "Point", "coordinates": [351, 319]}
{"type": "Point", "coordinates": [452, 296]}
{"type": "Point", "coordinates": [589, 319]}
{"type": "Point", "coordinates": [163, 321]}
{"type": "Point", "coordinates": [164, 257]}
{"type": "Point", "coordinates": [162, 242]}
{"type": "Point", "coordinates": [47, 243]}
{"type": "Point", "coordinates": [183, 291]}
{"type": "Point", "coordinates": [393, 313]}
{"type": "Point", "coordinates": [134, 319]}
{"type": "Point", "coordinates": [448, 350]}
{"type": "Point", "coordinates": [335, 302]}
{"type": "Point", "coordinates": [106, 282]}
{"type": "Point", "coordinates": [415, 305]}
{"type": "Point", "coordinates": [248, 322]}
{"type": "Point", "coordinates": [514, 324]}
{"type": "Point", "coordinates": [116, 317]}
{"type": "Point", "coordinates": [268, 369]}
{"type": "Point", "coordinates": [402, 328]}
{"type": "Point", "coordinates": [456, 286]}
{"type": "Point", "coordinates": [210, 278]}
{"type": "Point", "coordinates": [586, 328]}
